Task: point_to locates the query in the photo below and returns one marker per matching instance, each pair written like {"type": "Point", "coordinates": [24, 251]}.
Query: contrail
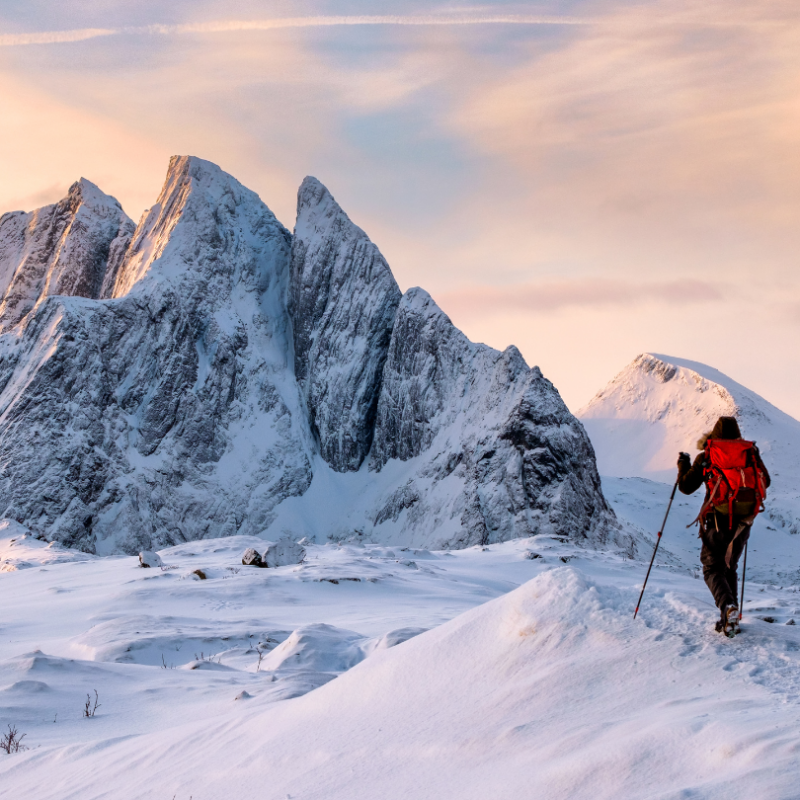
{"type": "Point", "coordinates": [227, 26]}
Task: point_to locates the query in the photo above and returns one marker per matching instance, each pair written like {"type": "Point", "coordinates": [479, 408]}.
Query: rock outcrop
{"type": "Point", "coordinates": [210, 373]}
{"type": "Point", "coordinates": [517, 460]}
{"type": "Point", "coordinates": [343, 302]}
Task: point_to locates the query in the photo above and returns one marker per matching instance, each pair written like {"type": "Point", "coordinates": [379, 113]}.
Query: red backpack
{"type": "Point", "coordinates": [736, 483]}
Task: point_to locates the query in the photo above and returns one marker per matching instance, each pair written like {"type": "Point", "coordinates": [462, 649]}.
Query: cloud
{"type": "Point", "coordinates": [281, 23]}
{"type": "Point", "coordinates": [584, 190]}
{"type": "Point", "coordinates": [550, 296]}
{"type": "Point", "coordinates": [676, 140]}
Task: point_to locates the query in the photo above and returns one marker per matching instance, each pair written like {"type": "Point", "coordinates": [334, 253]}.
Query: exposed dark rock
{"type": "Point", "coordinates": [343, 302]}
{"type": "Point", "coordinates": [252, 558]}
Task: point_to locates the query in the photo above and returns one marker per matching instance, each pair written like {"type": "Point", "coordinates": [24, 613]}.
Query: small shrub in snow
{"type": "Point", "coordinates": [252, 558]}
{"type": "Point", "coordinates": [284, 553]}
{"type": "Point", "coordinates": [149, 559]}
{"type": "Point", "coordinates": [11, 741]}
{"type": "Point", "coordinates": [89, 709]}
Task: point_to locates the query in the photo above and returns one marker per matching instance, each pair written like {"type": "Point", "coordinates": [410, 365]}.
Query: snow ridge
{"type": "Point", "coordinates": [222, 376]}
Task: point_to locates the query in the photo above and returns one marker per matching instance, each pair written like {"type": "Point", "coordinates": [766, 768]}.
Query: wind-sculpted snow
{"type": "Point", "coordinates": [61, 249]}
{"type": "Point", "coordinates": [343, 303]}
{"type": "Point", "coordinates": [216, 364]}
{"type": "Point", "coordinates": [167, 414]}
{"type": "Point", "coordinates": [520, 463]}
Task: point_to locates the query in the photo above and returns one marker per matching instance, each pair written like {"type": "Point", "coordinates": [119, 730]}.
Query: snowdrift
{"type": "Point", "coordinates": [551, 691]}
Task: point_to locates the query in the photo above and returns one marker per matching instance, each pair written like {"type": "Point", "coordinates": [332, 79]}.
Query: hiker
{"type": "Point", "coordinates": [736, 481]}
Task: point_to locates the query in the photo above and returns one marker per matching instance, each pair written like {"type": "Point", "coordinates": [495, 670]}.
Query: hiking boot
{"type": "Point", "coordinates": [731, 619]}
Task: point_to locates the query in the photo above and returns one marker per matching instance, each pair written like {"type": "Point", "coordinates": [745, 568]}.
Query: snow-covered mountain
{"type": "Point", "coordinates": [211, 373]}
{"type": "Point", "coordinates": [659, 405]}
{"type": "Point", "coordinates": [67, 248]}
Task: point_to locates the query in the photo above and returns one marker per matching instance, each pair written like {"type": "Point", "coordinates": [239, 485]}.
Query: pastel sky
{"type": "Point", "coordinates": [586, 180]}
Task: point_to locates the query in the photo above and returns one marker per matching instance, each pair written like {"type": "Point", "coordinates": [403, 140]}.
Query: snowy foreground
{"type": "Point", "coordinates": [319, 680]}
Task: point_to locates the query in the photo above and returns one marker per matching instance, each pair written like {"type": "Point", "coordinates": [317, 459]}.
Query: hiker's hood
{"type": "Point", "coordinates": [725, 428]}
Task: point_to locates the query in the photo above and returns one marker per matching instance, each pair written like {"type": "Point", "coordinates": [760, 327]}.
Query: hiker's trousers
{"type": "Point", "coordinates": [722, 579]}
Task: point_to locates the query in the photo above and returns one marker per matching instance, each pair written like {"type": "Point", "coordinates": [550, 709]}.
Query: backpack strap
{"type": "Point", "coordinates": [707, 504]}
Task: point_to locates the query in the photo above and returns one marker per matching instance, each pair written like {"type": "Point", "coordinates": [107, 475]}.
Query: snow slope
{"type": "Point", "coordinates": [550, 690]}
{"type": "Point", "coordinates": [659, 405]}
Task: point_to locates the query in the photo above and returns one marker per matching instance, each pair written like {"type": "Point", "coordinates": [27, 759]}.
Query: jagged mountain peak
{"type": "Point", "coordinates": [83, 191]}
{"type": "Point", "coordinates": [243, 379]}
{"type": "Point", "coordinates": [343, 302]}
{"type": "Point", "coordinates": [418, 301]}
{"type": "Point", "coordinates": [318, 211]}
{"type": "Point", "coordinates": [204, 211]}
{"type": "Point", "coordinates": [61, 249]}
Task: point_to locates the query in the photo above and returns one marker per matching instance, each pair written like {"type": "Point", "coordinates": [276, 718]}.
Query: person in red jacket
{"type": "Point", "coordinates": [722, 532]}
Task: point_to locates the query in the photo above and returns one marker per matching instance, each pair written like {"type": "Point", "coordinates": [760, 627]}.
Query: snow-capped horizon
{"type": "Point", "coordinates": [707, 371]}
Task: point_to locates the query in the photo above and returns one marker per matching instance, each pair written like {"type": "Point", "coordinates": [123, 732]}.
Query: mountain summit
{"type": "Point", "coordinates": [211, 373]}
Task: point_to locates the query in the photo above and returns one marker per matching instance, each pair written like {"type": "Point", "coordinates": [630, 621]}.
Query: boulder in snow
{"type": "Point", "coordinates": [252, 558]}
{"type": "Point", "coordinates": [284, 553]}
{"type": "Point", "coordinates": [149, 559]}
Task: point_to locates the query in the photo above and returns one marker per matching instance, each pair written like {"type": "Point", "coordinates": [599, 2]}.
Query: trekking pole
{"type": "Point", "coordinates": [744, 572]}
{"type": "Point", "coordinates": [658, 542]}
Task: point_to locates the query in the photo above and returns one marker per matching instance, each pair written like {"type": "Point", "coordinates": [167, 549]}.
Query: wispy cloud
{"type": "Point", "coordinates": [280, 23]}
{"type": "Point", "coordinates": [540, 297]}
{"type": "Point", "coordinates": [693, 17]}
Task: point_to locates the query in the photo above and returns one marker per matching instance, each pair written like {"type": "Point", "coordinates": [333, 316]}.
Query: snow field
{"type": "Point", "coordinates": [549, 690]}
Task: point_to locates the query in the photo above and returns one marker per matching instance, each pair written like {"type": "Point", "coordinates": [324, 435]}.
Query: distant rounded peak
{"type": "Point", "coordinates": [664, 369]}
{"type": "Point", "coordinates": [661, 377]}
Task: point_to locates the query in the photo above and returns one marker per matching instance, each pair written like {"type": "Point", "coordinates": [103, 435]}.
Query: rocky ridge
{"type": "Point", "coordinates": [210, 373]}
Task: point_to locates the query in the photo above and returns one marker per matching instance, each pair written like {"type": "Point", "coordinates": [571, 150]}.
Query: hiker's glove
{"type": "Point", "coordinates": [684, 462]}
